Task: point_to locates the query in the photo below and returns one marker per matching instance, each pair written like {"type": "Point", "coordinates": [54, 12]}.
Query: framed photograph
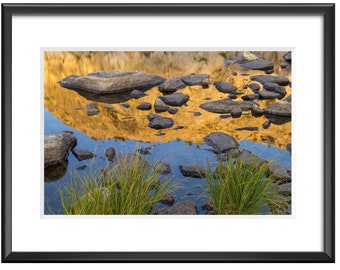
{"type": "Point", "coordinates": [168, 133]}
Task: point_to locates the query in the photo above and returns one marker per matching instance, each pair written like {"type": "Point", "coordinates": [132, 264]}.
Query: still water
{"type": "Point", "coordinates": [126, 129]}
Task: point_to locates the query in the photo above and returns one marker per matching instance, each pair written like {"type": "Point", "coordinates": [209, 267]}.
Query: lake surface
{"type": "Point", "coordinates": [126, 128]}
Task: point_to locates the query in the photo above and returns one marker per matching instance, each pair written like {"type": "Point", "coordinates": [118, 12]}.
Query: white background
{"type": "Point", "coordinates": [236, 266]}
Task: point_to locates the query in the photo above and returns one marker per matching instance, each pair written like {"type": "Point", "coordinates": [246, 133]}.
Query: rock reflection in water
{"type": "Point", "coordinates": [56, 172]}
{"type": "Point", "coordinates": [116, 121]}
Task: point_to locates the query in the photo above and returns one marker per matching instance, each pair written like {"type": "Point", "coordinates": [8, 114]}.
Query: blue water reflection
{"type": "Point", "coordinates": [175, 153]}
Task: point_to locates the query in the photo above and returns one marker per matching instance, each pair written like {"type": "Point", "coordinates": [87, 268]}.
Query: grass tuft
{"type": "Point", "coordinates": [236, 188]}
{"type": "Point", "coordinates": [129, 188]}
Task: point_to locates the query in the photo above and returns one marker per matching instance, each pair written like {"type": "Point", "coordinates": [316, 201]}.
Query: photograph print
{"type": "Point", "coordinates": [167, 132]}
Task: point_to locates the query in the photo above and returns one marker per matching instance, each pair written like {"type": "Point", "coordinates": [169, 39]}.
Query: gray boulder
{"type": "Point", "coordinates": [192, 171]}
{"type": "Point", "coordinates": [264, 94]}
{"type": "Point", "coordinates": [82, 154]}
{"type": "Point", "coordinates": [57, 147]}
{"type": "Point", "coordinates": [182, 208]}
{"type": "Point", "coordinates": [275, 88]}
{"type": "Point", "coordinates": [281, 80]}
{"type": "Point", "coordinates": [145, 106]}
{"type": "Point", "coordinates": [226, 105]}
{"type": "Point", "coordinates": [250, 97]}
{"type": "Point", "coordinates": [220, 142]}
{"type": "Point", "coordinates": [287, 57]}
{"type": "Point", "coordinates": [280, 108]}
{"type": "Point", "coordinates": [160, 106]}
{"type": "Point", "coordinates": [172, 85]}
{"type": "Point", "coordinates": [259, 64]}
{"type": "Point", "coordinates": [110, 153]}
{"type": "Point", "coordinates": [111, 82]}
{"type": "Point", "coordinates": [236, 112]}
{"type": "Point", "coordinates": [254, 87]}
{"type": "Point", "coordinates": [168, 199]}
{"type": "Point", "coordinates": [137, 94]}
{"type": "Point", "coordinates": [225, 87]}
{"type": "Point", "coordinates": [91, 109]}
{"type": "Point", "coordinates": [256, 111]}
{"type": "Point", "coordinates": [172, 110]}
{"type": "Point", "coordinates": [195, 79]}
{"type": "Point", "coordinates": [175, 99]}
{"type": "Point", "coordinates": [163, 168]}
{"type": "Point", "coordinates": [161, 122]}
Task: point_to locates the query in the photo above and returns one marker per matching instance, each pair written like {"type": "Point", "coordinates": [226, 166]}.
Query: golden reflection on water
{"type": "Point", "coordinates": [131, 123]}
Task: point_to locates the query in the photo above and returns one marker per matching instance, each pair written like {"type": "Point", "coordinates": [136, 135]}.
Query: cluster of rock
{"type": "Point", "coordinates": [135, 83]}
{"type": "Point", "coordinates": [57, 147]}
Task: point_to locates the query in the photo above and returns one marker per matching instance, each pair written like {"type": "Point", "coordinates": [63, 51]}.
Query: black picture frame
{"type": "Point", "coordinates": [327, 11]}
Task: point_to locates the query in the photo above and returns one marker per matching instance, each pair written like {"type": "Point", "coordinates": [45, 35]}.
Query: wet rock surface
{"type": "Point", "coordinates": [220, 142]}
{"type": "Point", "coordinates": [82, 154]}
{"type": "Point", "coordinates": [57, 147]}
{"type": "Point", "coordinates": [110, 153]}
{"type": "Point", "coordinates": [163, 168]}
{"type": "Point", "coordinates": [168, 199]}
{"type": "Point", "coordinates": [192, 171]}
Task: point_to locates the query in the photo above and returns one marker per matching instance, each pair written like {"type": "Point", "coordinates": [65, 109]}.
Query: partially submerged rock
{"type": "Point", "coordinates": [226, 105]}
{"type": "Point", "coordinates": [160, 106]}
{"type": "Point", "coordinates": [182, 208]}
{"type": "Point", "coordinates": [91, 109]}
{"type": "Point", "coordinates": [275, 88]}
{"type": "Point", "coordinates": [137, 94]}
{"type": "Point", "coordinates": [175, 99]}
{"type": "Point", "coordinates": [110, 153]}
{"type": "Point", "coordinates": [281, 80]}
{"type": "Point", "coordinates": [82, 154]}
{"type": "Point", "coordinates": [192, 171]}
{"type": "Point", "coordinates": [259, 64]}
{"type": "Point", "coordinates": [161, 122]}
{"type": "Point", "coordinates": [111, 82]}
{"type": "Point", "coordinates": [264, 94]}
{"type": "Point", "coordinates": [57, 147]}
{"type": "Point", "coordinates": [168, 199]}
{"type": "Point", "coordinates": [280, 108]}
{"type": "Point", "coordinates": [225, 87]}
{"type": "Point", "coordinates": [163, 168]}
{"type": "Point", "coordinates": [144, 106]}
{"type": "Point", "coordinates": [172, 85]}
{"type": "Point", "coordinates": [287, 57]}
{"type": "Point", "coordinates": [220, 142]}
